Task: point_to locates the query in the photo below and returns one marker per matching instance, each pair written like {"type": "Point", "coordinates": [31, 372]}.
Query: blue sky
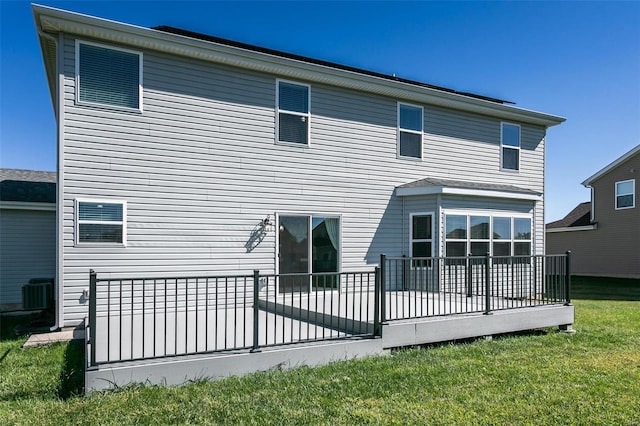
{"type": "Point", "coordinates": [580, 60]}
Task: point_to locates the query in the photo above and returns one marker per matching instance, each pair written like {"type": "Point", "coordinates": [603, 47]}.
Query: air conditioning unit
{"type": "Point", "coordinates": [37, 294]}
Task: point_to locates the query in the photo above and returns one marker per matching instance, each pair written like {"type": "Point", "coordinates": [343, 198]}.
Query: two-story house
{"type": "Point", "coordinates": [604, 234]}
{"type": "Point", "coordinates": [182, 153]}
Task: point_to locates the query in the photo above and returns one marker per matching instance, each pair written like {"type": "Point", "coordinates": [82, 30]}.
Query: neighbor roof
{"type": "Point", "coordinates": [174, 41]}
{"type": "Point", "coordinates": [612, 166]}
{"type": "Point", "coordinates": [429, 185]}
{"type": "Point", "coordinates": [27, 186]}
{"type": "Point", "coordinates": [579, 216]}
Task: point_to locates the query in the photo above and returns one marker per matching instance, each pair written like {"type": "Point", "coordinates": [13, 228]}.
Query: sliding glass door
{"type": "Point", "coordinates": [308, 244]}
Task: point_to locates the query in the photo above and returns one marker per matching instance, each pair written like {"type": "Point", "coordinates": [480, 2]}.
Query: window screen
{"type": "Point", "coordinates": [108, 76]}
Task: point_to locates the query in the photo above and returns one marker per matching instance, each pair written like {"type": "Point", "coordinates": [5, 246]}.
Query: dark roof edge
{"type": "Point", "coordinates": [246, 46]}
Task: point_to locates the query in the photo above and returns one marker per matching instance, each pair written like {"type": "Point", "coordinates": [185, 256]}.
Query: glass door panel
{"type": "Point", "coordinates": [294, 253]}
{"type": "Point", "coordinates": [324, 246]}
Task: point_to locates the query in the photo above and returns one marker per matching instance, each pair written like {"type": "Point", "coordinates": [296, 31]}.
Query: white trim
{"type": "Point", "coordinates": [307, 115]}
{"type": "Point", "coordinates": [76, 224]}
{"type": "Point", "coordinates": [56, 20]}
{"type": "Point", "coordinates": [572, 228]}
{"type": "Point", "coordinates": [399, 130]}
{"type": "Point", "coordinates": [105, 105]}
{"type": "Point", "coordinates": [633, 193]}
{"type": "Point", "coordinates": [60, 115]}
{"type": "Point", "coordinates": [503, 146]}
{"type": "Point", "coordinates": [433, 231]}
{"type": "Point", "coordinates": [431, 190]}
{"type": "Point", "coordinates": [25, 205]}
{"type": "Point", "coordinates": [587, 182]}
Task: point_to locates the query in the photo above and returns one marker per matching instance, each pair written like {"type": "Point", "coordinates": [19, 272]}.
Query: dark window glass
{"type": "Point", "coordinates": [109, 76]}
{"type": "Point", "coordinates": [510, 159]}
{"type": "Point", "coordinates": [456, 248]}
{"type": "Point", "coordinates": [522, 228]}
{"type": "Point", "coordinates": [410, 145]}
{"type": "Point", "coordinates": [293, 128]}
{"type": "Point", "coordinates": [456, 226]}
{"type": "Point", "coordinates": [479, 227]}
{"type": "Point", "coordinates": [502, 228]}
{"type": "Point", "coordinates": [421, 227]}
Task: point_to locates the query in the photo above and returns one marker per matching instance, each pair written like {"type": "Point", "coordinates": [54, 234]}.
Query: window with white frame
{"type": "Point", "coordinates": [625, 194]}
{"type": "Point", "coordinates": [293, 104]}
{"type": "Point", "coordinates": [308, 244]}
{"type": "Point", "coordinates": [410, 123]}
{"type": "Point", "coordinates": [421, 232]}
{"type": "Point", "coordinates": [510, 144]}
{"type": "Point", "coordinates": [101, 222]}
{"type": "Point", "coordinates": [481, 234]}
{"type": "Point", "coordinates": [108, 76]}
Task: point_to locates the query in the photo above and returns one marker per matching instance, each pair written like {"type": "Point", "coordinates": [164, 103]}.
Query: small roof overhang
{"type": "Point", "coordinates": [434, 186]}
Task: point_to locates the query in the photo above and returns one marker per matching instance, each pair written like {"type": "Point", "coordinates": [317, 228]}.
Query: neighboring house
{"type": "Point", "coordinates": [27, 232]}
{"type": "Point", "coordinates": [604, 234]}
{"type": "Point", "coordinates": [178, 149]}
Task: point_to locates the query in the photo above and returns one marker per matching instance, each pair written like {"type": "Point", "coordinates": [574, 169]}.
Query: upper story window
{"type": "Point", "coordinates": [625, 194]}
{"type": "Point", "coordinates": [510, 144]}
{"type": "Point", "coordinates": [108, 76]}
{"type": "Point", "coordinates": [410, 131]}
{"type": "Point", "coordinates": [101, 222]}
{"type": "Point", "coordinates": [293, 102]}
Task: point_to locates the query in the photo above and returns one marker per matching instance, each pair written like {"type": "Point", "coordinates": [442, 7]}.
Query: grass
{"type": "Point", "coordinates": [542, 377]}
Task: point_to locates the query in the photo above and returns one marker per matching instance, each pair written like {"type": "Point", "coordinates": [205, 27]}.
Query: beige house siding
{"type": "Point", "coordinates": [613, 249]}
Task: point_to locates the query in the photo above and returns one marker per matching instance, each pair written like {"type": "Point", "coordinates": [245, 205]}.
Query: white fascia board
{"type": "Point", "coordinates": [609, 167]}
{"type": "Point", "coordinates": [431, 190]}
{"type": "Point", "coordinates": [572, 228]}
{"type": "Point", "coordinates": [24, 205]}
{"type": "Point", "coordinates": [56, 20]}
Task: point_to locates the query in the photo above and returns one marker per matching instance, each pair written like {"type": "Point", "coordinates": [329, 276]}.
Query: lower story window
{"type": "Point", "coordinates": [101, 222]}
{"type": "Point", "coordinates": [308, 244]}
{"type": "Point", "coordinates": [481, 234]}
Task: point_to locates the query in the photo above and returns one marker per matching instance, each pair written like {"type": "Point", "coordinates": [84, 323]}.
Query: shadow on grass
{"type": "Point", "coordinates": [602, 288]}
{"type": "Point", "coordinates": [71, 379]}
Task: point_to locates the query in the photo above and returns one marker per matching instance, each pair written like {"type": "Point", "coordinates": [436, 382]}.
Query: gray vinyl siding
{"type": "Point", "coordinates": [199, 168]}
{"type": "Point", "coordinates": [27, 250]}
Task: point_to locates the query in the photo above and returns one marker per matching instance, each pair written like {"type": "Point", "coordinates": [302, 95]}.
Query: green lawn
{"type": "Point", "coordinates": [543, 377]}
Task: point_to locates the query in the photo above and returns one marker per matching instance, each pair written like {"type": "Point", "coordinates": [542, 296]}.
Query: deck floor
{"type": "Point", "coordinates": [281, 320]}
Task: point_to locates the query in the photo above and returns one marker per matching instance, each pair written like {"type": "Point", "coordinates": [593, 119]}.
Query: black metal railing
{"type": "Point", "coordinates": [143, 318]}
{"type": "Point", "coordinates": [437, 286]}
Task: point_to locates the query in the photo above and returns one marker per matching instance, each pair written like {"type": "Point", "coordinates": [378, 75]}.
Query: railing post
{"type": "Point", "coordinates": [256, 309]}
{"type": "Point", "coordinates": [93, 279]}
{"type": "Point", "coordinates": [487, 284]}
{"type": "Point", "coordinates": [383, 287]}
{"type": "Point", "coordinates": [567, 281]}
{"type": "Point", "coordinates": [469, 276]}
{"type": "Point", "coordinates": [376, 305]}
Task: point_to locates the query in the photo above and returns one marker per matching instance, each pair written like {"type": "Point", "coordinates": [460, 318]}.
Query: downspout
{"type": "Point", "coordinates": [58, 288]}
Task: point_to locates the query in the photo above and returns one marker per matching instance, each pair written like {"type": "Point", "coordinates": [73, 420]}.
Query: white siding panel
{"type": "Point", "coordinates": [199, 168]}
